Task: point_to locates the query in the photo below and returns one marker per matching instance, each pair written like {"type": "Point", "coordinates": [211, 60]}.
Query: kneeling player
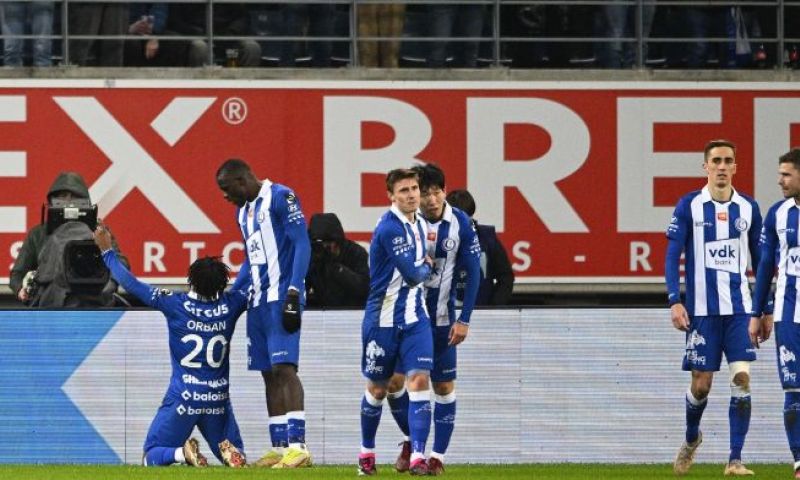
{"type": "Point", "coordinates": [200, 323]}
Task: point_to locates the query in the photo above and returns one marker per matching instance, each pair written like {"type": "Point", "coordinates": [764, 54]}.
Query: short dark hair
{"type": "Point", "coordinates": [462, 200]}
{"type": "Point", "coordinates": [233, 166]}
{"type": "Point", "coordinates": [398, 174]}
{"type": "Point", "coordinates": [208, 276]}
{"type": "Point", "coordinates": [430, 175]}
{"type": "Point", "coordinates": [718, 143]}
{"type": "Point", "coordinates": [792, 156]}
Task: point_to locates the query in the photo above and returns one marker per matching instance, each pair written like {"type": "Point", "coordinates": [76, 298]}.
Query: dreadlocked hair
{"type": "Point", "coordinates": [208, 276]}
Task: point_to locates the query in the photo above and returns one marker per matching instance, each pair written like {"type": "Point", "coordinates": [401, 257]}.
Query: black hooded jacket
{"type": "Point", "coordinates": [335, 280]}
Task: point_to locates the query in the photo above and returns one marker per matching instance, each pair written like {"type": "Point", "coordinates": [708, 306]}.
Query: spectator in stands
{"type": "Point", "coordinates": [497, 278]}
{"type": "Point", "coordinates": [230, 20]}
{"type": "Point", "coordinates": [338, 274]}
{"type": "Point", "coordinates": [19, 18]}
{"type": "Point", "coordinates": [32, 256]}
{"type": "Point", "coordinates": [97, 19]}
{"type": "Point", "coordinates": [146, 19]}
{"type": "Point", "coordinates": [619, 21]}
{"type": "Point", "coordinates": [380, 20]}
{"type": "Point", "coordinates": [549, 21]}
{"type": "Point", "coordinates": [315, 19]}
{"type": "Point", "coordinates": [702, 22]}
{"type": "Point", "coordinates": [451, 20]}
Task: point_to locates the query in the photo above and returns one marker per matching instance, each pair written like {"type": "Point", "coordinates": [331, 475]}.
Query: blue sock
{"type": "Point", "coordinates": [419, 419]}
{"type": "Point", "coordinates": [296, 427]}
{"type": "Point", "coordinates": [278, 431]}
{"type": "Point", "coordinates": [739, 421]}
{"type": "Point", "coordinates": [160, 456]}
{"type": "Point", "coordinates": [398, 403]}
{"type": "Point", "coordinates": [444, 416]}
{"type": "Point", "coordinates": [791, 421]}
{"type": "Point", "coordinates": [694, 412]}
{"type": "Point", "coordinates": [371, 409]}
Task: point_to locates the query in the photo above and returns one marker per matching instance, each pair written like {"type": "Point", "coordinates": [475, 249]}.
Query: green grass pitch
{"type": "Point", "coordinates": [483, 471]}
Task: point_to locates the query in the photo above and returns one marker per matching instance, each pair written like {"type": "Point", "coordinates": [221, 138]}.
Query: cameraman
{"type": "Point", "coordinates": [338, 275]}
{"type": "Point", "coordinates": [67, 186]}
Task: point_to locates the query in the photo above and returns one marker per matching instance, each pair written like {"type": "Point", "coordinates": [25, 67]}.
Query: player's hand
{"type": "Point", "coordinates": [291, 311]}
{"type": "Point", "coordinates": [680, 319]}
{"type": "Point", "coordinates": [102, 237]}
{"type": "Point", "coordinates": [766, 327]}
{"type": "Point", "coordinates": [458, 333]}
{"type": "Point", "coordinates": [754, 331]}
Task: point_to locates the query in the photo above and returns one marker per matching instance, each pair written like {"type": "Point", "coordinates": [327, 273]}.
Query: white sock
{"type": "Point", "coordinates": [179, 458]}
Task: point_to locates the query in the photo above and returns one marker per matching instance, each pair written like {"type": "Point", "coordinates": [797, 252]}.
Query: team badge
{"type": "Point", "coordinates": [290, 198]}
{"type": "Point", "coordinates": [261, 217]}
{"type": "Point", "coordinates": [740, 224]}
{"type": "Point", "coordinates": [448, 244]}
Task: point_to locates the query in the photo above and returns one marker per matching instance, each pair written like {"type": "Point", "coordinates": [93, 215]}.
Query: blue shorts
{"type": "Point", "coordinates": [405, 348]}
{"type": "Point", "coordinates": [787, 342]}
{"type": "Point", "coordinates": [268, 343]}
{"type": "Point", "coordinates": [444, 356]}
{"type": "Point", "coordinates": [708, 337]}
{"type": "Point", "coordinates": [175, 420]}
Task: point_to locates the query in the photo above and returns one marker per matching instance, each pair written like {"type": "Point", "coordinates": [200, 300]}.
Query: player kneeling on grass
{"type": "Point", "coordinates": [200, 323]}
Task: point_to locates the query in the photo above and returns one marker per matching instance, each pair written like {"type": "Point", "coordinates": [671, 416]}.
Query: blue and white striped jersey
{"type": "Point", "coordinates": [200, 332]}
{"type": "Point", "coordinates": [276, 242]}
{"type": "Point", "coordinates": [397, 270]}
{"type": "Point", "coordinates": [453, 245]}
{"type": "Point", "coordinates": [716, 238]}
{"type": "Point", "coordinates": [779, 242]}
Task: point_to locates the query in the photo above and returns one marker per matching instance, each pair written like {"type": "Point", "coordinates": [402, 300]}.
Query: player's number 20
{"type": "Point", "coordinates": [189, 359]}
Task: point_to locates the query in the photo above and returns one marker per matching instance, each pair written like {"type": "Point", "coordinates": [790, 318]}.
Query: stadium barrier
{"type": "Point", "coordinates": [535, 385]}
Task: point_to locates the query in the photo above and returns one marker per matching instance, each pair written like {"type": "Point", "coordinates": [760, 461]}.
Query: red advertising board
{"type": "Point", "coordinates": [579, 178]}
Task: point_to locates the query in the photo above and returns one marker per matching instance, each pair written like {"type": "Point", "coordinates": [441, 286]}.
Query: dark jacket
{"type": "Point", "coordinates": [497, 278]}
{"type": "Point", "coordinates": [335, 280]}
{"type": "Point", "coordinates": [28, 256]}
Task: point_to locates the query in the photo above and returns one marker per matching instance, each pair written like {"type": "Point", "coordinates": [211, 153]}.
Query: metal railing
{"type": "Point", "coordinates": [497, 35]}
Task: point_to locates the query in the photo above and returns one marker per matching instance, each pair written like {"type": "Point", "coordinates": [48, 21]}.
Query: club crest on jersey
{"type": "Point", "coordinates": [290, 198]}
{"type": "Point", "coordinates": [722, 216]}
{"type": "Point", "coordinates": [448, 244]}
{"type": "Point", "coordinates": [261, 217]}
{"type": "Point", "coordinates": [740, 224]}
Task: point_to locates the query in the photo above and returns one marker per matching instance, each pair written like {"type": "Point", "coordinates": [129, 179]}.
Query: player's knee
{"type": "Point", "coordinates": [701, 384]}
{"type": "Point", "coordinates": [444, 388]}
{"type": "Point", "coordinates": [418, 381]}
{"type": "Point", "coordinates": [701, 390]}
{"type": "Point", "coordinates": [283, 373]}
{"type": "Point", "coordinates": [377, 390]}
{"type": "Point", "coordinates": [740, 379]}
{"type": "Point", "coordinates": [396, 382]}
